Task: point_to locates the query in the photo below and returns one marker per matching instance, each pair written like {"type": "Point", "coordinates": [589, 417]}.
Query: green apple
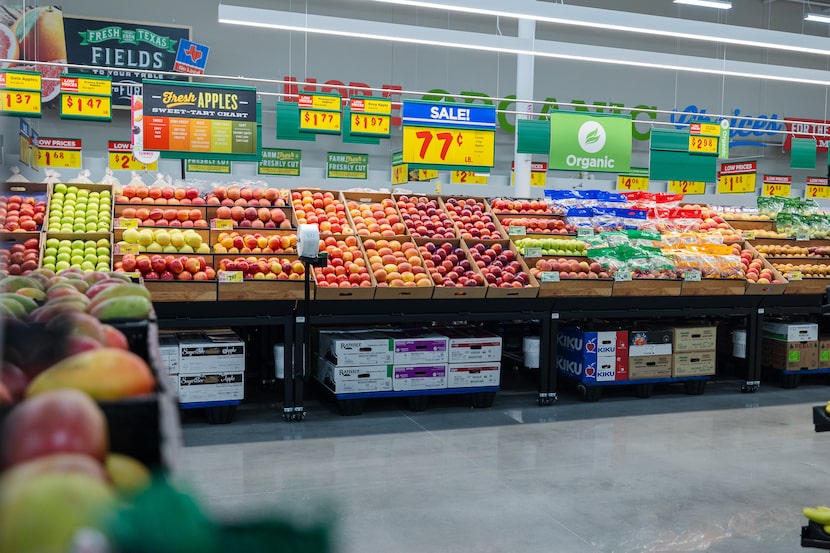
{"type": "Point", "coordinates": [102, 251]}
{"type": "Point", "coordinates": [102, 243]}
{"type": "Point", "coordinates": [60, 188]}
{"type": "Point", "coordinates": [61, 265]}
{"type": "Point", "coordinates": [155, 247]}
{"type": "Point", "coordinates": [88, 266]}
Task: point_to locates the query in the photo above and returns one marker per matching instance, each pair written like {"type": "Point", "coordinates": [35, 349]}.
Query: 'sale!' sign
{"type": "Point", "coordinates": [211, 121]}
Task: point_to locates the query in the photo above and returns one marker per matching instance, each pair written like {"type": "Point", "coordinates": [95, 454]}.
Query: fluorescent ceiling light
{"type": "Point", "coordinates": [392, 32]}
{"type": "Point", "coordinates": [706, 4]}
{"type": "Point", "coordinates": [610, 20]}
{"type": "Point", "coordinates": [817, 17]}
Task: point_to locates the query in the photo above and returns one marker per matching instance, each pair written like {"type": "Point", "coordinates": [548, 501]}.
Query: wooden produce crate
{"type": "Point", "coordinates": [354, 200]}
{"type": "Point", "coordinates": [807, 286]}
{"type": "Point", "coordinates": [264, 290]}
{"type": "Point", "coordinates": [577, 288]}
{"type": "Point", "coordinates": [398, 292]}
{"type": "Point", "coordinates": [485, 205]}
{"type": "Point", "coordinates": [445, 292]}
{"type": "Point", "coordinates": [548, 220]}
{"type": "Point", "coordinates": [296, 203]}
{"type": "Point", "coordinates": [763, 289]}
{"type": "Point", "coordinates": [182, 291]}
{"type": "Point", "coordinates": [742, 224]}
{"type": "Point", "coordinates": [118, 233]}
{"type": "Point", "coordinates": [9, 239]}
{"type": "Point", "coordinates": [529, 291]}
{"type": "Point", "coordinates": [715, 287]}
{"type": "Point", "coordinates": [91, 188]}
{"type": "Point", "coordinates": [291, 235]}
{"type": "Point", "coordinates": [412, 227]}
{"type": "Point", "coordinates": [350, 293]}
{"type": "Point", "coordinates": [38, 191]}
{"type": "Point", "coordinates": [502, 206]}
{"type": "Point", "coordinates": [648, 287]}
{"type": "Point", "coordinates": [216, 222]}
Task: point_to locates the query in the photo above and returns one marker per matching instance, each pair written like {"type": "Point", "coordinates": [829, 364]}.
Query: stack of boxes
{"type": "Point", "coordinates": [790, 346]}
{"type": "Point", "coordinates": [205, 367]}
{"type": "Point", "coordinates": [364, 361]}
{"type": "Point", "coordinates": [650, 354]}
{"type": "Point", "coordinates": [694, 351]}
{"type": "Point", "coordinates": [593, 356]}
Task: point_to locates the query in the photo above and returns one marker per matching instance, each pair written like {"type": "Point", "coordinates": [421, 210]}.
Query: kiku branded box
{"type": "Point", "coordinates": [600, 356]}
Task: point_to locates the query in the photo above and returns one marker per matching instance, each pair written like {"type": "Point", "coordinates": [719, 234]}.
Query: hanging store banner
{"type": "Point", "coordinates": [807, 128]}
{"type": "Point", "coordinates": [280, 163]}
{"type": "Point", "coordinates": [347, 166]}
{"type": "Point", "coordinates": [581, 142]}
{"type": "Point", "coordinates": [129, 51]}
{"type": "Point", "coordinates": [207, 120]}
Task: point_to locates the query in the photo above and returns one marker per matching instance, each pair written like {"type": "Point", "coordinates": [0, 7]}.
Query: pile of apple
{"type": "Point", "coordinates": [753, 266]}
{"type": "Point", "coordinates": [376, 219]}
{"type": "Point", "coordinates": [162, 240]}
{"type": "Point", "coordinates": [253, 217]}
{"type": "Point", "coordinates": [264, 268]}
{"type": "Point", "coordinates": [759, 233]}
{"type": "Point", "coordinates": [87, 255]}
{"type": "Point", "coordinates": [322, 209]}
{"type": "Point", "coordinates": [347, 268]}
{"type": "Point", "coordinates": [18, 213]}
{"type": "Point", "coordinates": [159, 195]}
{"type": "Point", "coordinates": [424, 217]}
{"type": "Point", "coordinates": [170, 217]}
{"type": "Point", "coordinates": [166, 267]}
{"type": "Point", "coordinates": [528, 207]}
{"type": "Point", "coordinates": [499, 266]}
{"type": "Point", "coordinates": [552, 246]}
{"type": "Point", "coordinates": [540, 225]}
{"type": "Point", "coordinates": [233, 242]}
{"type": "Point", "coordinates": [449, 267]}
{"type": "Point", "coordinates": [20, 258]}
{"type": "Point", "coordinates": [248, 196]}
{"type": "Point", "coordinates": [740, 216]}
{"type": "Point", "coordinates": [569, 268]}
{"type": "Point", "coordinates": [711, 221]}
{"type": "Point", "coordinates": [471, 219]}
{"type": "Point", "coordinates": [77, 209]}
{"type": "Point", "coordinates": [396, 263]}
{"type": "Point", "coordinates": [807, 270]}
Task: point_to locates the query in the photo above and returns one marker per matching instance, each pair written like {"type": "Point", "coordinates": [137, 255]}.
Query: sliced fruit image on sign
{"type": "Point", "coordinates": [9, 48]}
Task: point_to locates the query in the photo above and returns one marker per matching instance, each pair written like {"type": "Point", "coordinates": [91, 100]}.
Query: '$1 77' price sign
{"type": "Point", "coordinates": [457, 147]}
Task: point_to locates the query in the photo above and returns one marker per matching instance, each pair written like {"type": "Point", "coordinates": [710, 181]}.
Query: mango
{"type": "Point", "coordinates": [15, 283]}
{"type": "Point", "coordinates": [34, 293]}
{"type": "Point", "coordinates": [28, 304]}
{"type": "Point", "coordinates": [105, 374]}
{"type": "Point", "coordinates": [16, 309]}
{"type": "Point", "coordinates": [120, 276]}
{"type": "Point", "coordinates": [127, 307]}
{"type": "Point", "coordinates": [128, 475]}
{"type": "Point", "coordinates": [46, 313]}
{"type": "Point", "coordinates": [119, 291]}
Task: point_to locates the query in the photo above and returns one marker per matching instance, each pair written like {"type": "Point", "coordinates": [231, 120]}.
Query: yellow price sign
{"type": "Point", "coordinates": [378, 106]}
{"type": "Point", "coordinates": [630, 182]}
{"type": "Point", "coordinates": [123, 249]}
{"type": "Point", "coordinates": [230, 276]}
{"type": "Point", "coordinates": [223, 224]}
{"type": "Point", "coordinates": [779, 190]}
{"type": "Point", "coordinates": [126, 161]}
{"type": "Point", "coordinates": [703, 144]}
{"type": "Point", "coordinates": [687, 187]}
{"type": "Point", "coordinates": [86, 85]}
{"type": "Point", "coordinates": [817, 192]}
{"type": "Point", "coordinates": [467, 177]}
{"type": "Point", "coordinates": [19, 102]}
{"type": "Point", "coordinates": [376, 125]}
{"type": "Point", "coordinates": [128, 222]}
{"type": "Point", "coordinates": [736, 184]}
{"type": "Point", "coordinates": [320, 121]}
{"type": "Point", "coordinates": [65, 159]}
{"type": "Point", "coordinates": [400, 173]}
{"type": "Point", "coordinates": [538, 178]}
{"type": "Point", "coordinates": [710, 129]}
{"type": "Point", "coordinates": [441, 146]}
{"type": "Point", "coordinates": [24, 80]}
{"type": "Point", "coordinates": [83, 106]}
{"type": "Point", "coordinates": [25, 150]}
{"type": "Point", "coordinates": [315, 101]}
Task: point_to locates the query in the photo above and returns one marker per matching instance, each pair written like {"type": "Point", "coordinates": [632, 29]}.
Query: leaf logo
{"type": "Point", "coordinates": [591, 137]}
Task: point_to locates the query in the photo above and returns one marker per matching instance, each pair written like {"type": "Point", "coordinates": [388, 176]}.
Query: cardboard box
{"type": "Point", "coordinates": [695, 363]}
{"type": "Point", "coordinates": [356, 348]}
{"type": "Point", "coordinates": [593, 356]}
{"type": "Point", "coordinates": [417, 346]}
{"type": "Point", "coordinates": [790, 332]}
{"type": "Point", "coordinates": [824, 353]}
{"type": "Point", "coordinates": [419, 377]}
{"type": "Point", "coordinates": [649, 366]}
{"type": "Point", "coordinates": [214, 353]}
{"type": "Point", "coordinates": [695, 338]}
{"type": "Point", "coordinates": [790, 356]}
{"type": "Point", "coordinates": [211, 386]}
{"type": "Point", "coordinates": [472, 345]}
{"type": "Point", "coordinates": [350, 380]}
{"type": "Point", "coordinates": [473, 375]}
{"type": "Point", "coordinates": [169, 350]}
{"type": "Point", "coordinates": [650, 342]}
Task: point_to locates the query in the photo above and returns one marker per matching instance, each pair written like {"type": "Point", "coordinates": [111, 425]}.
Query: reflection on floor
{"type": "Point", "coordinates": [724, 472]}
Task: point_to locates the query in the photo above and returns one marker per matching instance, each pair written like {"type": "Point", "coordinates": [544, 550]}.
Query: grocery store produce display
{"type": "Point", "coordinates": [79, 208]}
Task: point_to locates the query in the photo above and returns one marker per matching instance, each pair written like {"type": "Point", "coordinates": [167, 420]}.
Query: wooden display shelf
{"type": "Point", "coordinates": [264, 290]}
{"type": "Point", "coordinates": [808, 286]}
{"type": "Point", "coordinates": [447, 293]}
{"type": "Point", "coordinates": [744, 224]}
{"type": "Point", "coordinates": [337, 293]}
{"type": "Point", "coordinates": [577, 288]}
{"type": "Point", "coordinates": [648, 287]}
{"type": "Point", "coordinates": [529, 291]}
{"type": "Point", "coordinates": [367, 198]}
{"type": "Point", "coordinates": [761, 289]}
{"type": "Point", "coordinates": [715, 287]}
{"type": "Point", "coordinates": [397, 292]}
{"type": "Point", "coordinates": [182, 291]}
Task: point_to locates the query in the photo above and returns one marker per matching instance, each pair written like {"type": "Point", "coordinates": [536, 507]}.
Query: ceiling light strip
{"type": "Point", "coordinates": [717, 4]}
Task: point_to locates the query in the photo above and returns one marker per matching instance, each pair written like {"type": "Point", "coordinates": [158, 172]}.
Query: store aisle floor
{"type": "Point", "coordinates": [724, 472]}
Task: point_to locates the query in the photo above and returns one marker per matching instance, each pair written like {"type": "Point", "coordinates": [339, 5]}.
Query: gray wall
{"type": "Point", "coordinates": [264, 53]}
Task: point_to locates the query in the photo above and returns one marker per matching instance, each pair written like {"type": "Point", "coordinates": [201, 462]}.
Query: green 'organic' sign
{"type": "Point", "coordinates": [581, 142]}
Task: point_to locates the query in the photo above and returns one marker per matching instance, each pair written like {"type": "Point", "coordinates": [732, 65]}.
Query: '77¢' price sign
{"type": "Point", "coordinates": [442, 146]}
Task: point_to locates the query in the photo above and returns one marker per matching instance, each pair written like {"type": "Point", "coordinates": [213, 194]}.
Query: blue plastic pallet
{"type": "Point", "coordinates": [410, 393]}
{"type": "Point", "coordinates": [201, 404]}
{"type": "Point", "coordinates": [638, 381]}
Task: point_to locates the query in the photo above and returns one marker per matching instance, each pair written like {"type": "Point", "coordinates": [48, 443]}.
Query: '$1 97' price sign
{"type": "Point", "coordinates": [457, 147]}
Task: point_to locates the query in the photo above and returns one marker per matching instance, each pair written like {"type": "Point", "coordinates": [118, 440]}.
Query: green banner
{"type": "Point", "coordinates": [582, 142]}
{"type": "Point", "coordinates": [128, 36]}
{"type": "Point", "coordinates": [208, 166]}
{"type": "Point", "coordinates": [280, 163]}
{"type": "Point", "coordinates": [347, 166]}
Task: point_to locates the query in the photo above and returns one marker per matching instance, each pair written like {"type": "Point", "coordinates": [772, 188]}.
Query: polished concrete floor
{"type": "Point", "coordinates": [724, 472]}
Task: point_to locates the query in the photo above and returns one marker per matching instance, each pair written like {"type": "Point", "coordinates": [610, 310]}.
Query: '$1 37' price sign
{"type": "Point", "coordinates": [458, 147]}
{"type": "Point", "coordinates": [19, 102]}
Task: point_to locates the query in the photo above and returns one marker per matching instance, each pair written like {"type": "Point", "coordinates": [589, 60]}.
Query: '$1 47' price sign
{"type": "Point", "coordinates": [458, 147]}
{"type": "Point", "coordinates": [82, 106]}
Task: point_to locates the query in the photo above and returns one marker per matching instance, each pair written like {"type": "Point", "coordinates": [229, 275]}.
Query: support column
{"type": "Point", "coordinates": [524, 90]}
